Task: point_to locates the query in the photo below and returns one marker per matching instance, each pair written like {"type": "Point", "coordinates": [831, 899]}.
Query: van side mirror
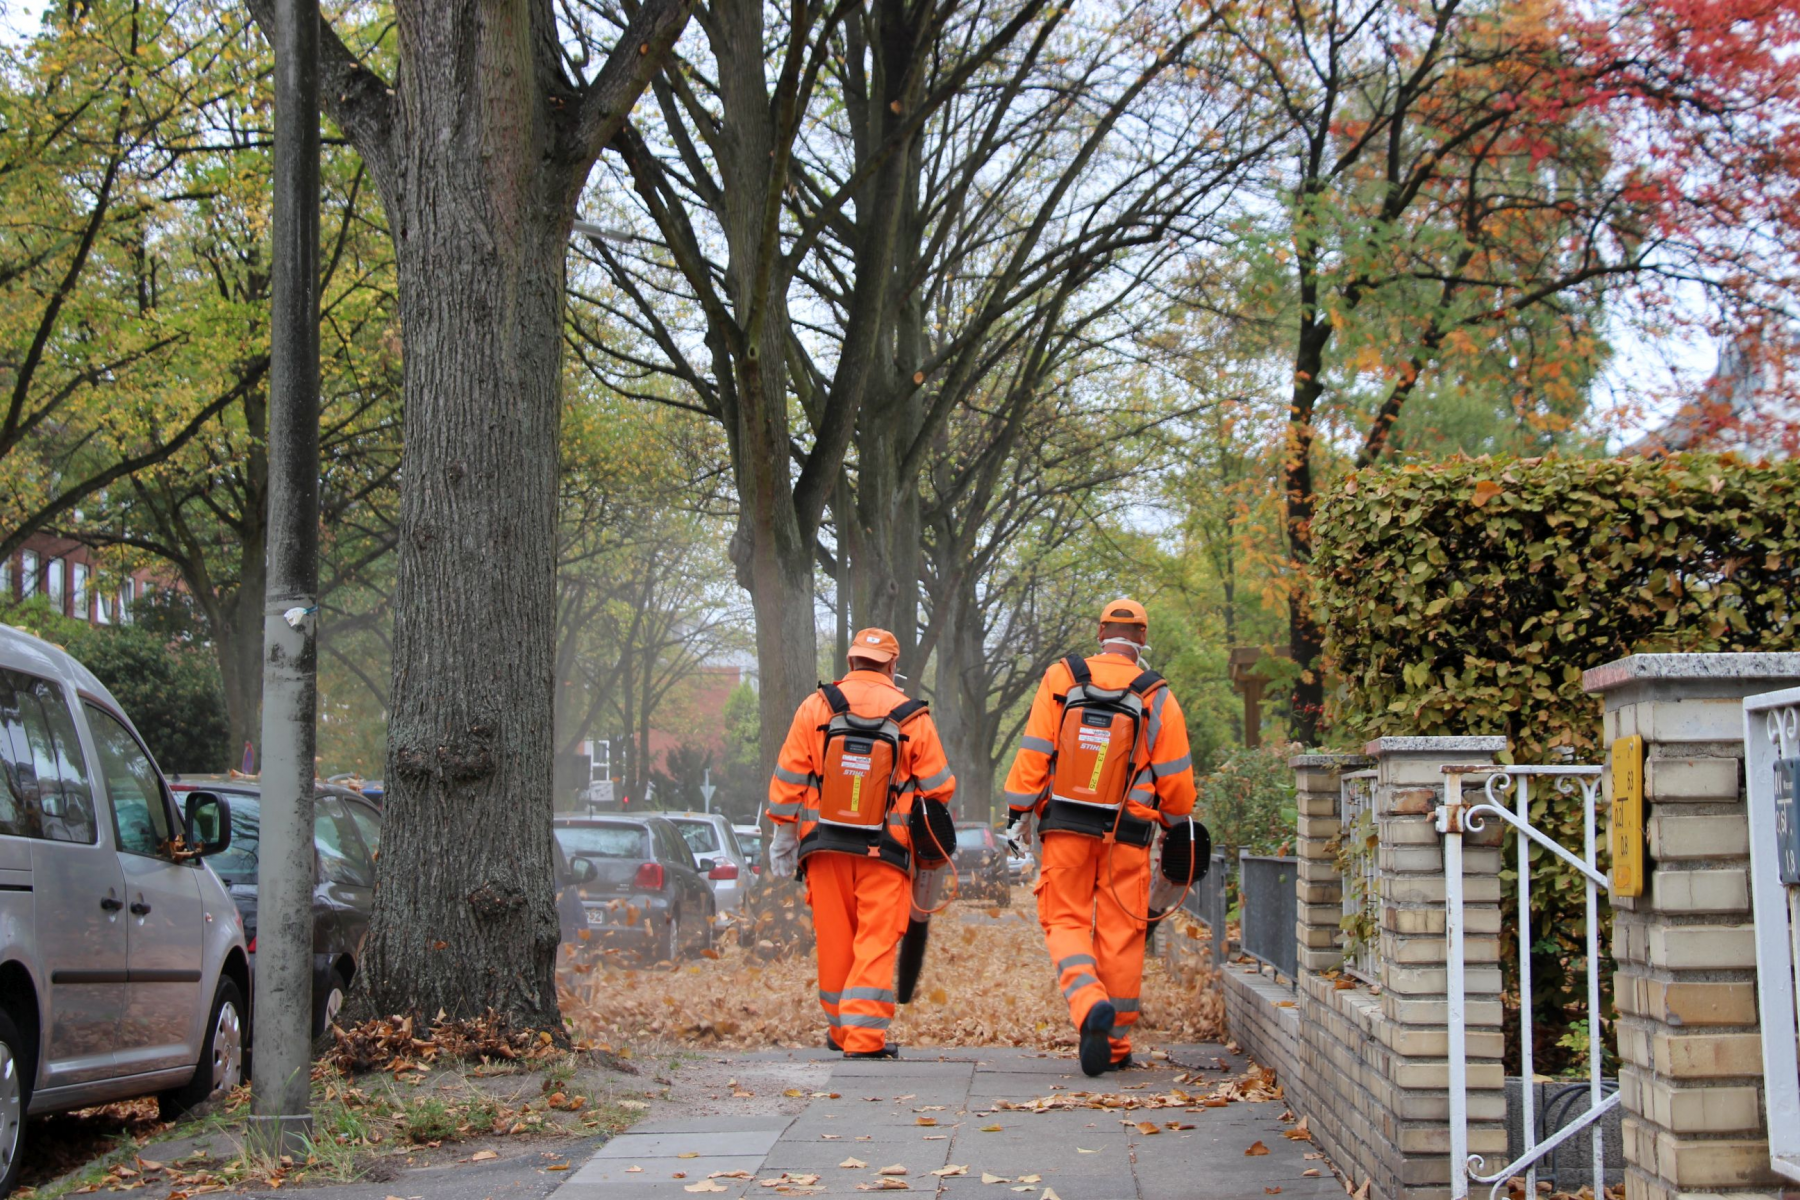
{"type": "Point", "coordinates": [208, 823]}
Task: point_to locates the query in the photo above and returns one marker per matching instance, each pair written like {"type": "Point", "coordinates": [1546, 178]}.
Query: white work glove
{"type": "Point", "coordinates": [927, 891]}
{"type": "Point", "coordinates": [1023, 829]}
{"type": "Point", "coordinates": [784, 850]}
{"type": "Point", "coordinates": [1164, 893]}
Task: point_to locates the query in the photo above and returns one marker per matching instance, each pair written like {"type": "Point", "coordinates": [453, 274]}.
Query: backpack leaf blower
{"type": "Point", "coordinates": [933, 833]}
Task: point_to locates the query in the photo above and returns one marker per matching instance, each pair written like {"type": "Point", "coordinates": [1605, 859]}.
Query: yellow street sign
{"type": "Point", "coordinates": [1628, 816]}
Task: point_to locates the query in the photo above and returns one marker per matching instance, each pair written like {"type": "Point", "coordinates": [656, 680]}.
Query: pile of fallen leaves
{"type": "Point", "coordinates": [987, 982]}
{"type": "Point", "coordinates": [393, 1044]}
{"type": "Point", "coordinates": [1255, 1086]}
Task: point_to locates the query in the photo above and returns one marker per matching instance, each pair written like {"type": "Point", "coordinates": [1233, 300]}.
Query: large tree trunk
{"type": "Point", "coordinates": [961, 699]}
{"type": "Point", "coordinates": [1306, 640]}
{"type": "Point", "coordinates": [481, 229]}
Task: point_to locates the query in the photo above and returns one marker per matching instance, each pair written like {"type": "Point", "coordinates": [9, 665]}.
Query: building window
{"type": "Point", "coordinates": [53, 584]}
{"type": "Point", "coordinates": [6, 581]}
{"type": "Point", "coordinates": [28, 575]}
{"type": "Point", "coordinates": [125, 599]}
{"type": "Point", "coordinates": [102, 608]}
{"type": "Point", "coordinates": [78, 577]}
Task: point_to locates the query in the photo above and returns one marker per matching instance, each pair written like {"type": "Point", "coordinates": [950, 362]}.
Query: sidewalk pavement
{"type": "Point", "coordinates": [882, 1115]}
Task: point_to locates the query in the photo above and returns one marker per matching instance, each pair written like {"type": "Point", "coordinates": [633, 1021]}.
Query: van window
{"type": "Point", "coordinates": [46, 794]}
{"type": "Point", "coordinates": [140, 815]}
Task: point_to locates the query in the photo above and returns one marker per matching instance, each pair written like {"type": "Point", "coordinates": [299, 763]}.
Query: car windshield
{"type": "Point", "coordinates": [604, 841]}
{"type": "Point", "coordinates": [702, 836]}
{"type": "Point", "coordinates": [237, 863]}
{"type": "Point", "coordinates": [971, 839]}
{"type": "Point", "coordinates": [750, 843]}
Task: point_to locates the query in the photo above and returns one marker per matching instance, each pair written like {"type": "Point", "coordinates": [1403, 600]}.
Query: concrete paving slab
{"type": "Point", "coordinates": [672, 1189]}
{"type": "Point", "coordinates": [719, 1124]}
{"type": "Point", "coordinates": [617, 1171]}
{"type": "Point", "coordinates": [1119, 1186]}
{"type": "Point", "coordinates": [713, 1143]}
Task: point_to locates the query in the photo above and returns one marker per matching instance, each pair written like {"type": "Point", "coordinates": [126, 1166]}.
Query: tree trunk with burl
{"type": "Point", "coordinates": [480, 149]}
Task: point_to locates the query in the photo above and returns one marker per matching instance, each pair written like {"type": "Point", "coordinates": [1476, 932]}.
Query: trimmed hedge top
{"type": "Point", "coordinates": [1468, 597]}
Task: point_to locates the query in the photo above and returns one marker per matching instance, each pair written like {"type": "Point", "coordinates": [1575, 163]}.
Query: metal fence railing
{"type": "Point", "coordinates": [1266, 921]}
{"type": "Point", "coordinates": [1209, 901]}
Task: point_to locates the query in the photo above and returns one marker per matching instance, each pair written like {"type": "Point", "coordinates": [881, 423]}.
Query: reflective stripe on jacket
{"type": "Point", "coordinates": [921, 769]}
{"type": "Point", "coordinates": [1168, 780]}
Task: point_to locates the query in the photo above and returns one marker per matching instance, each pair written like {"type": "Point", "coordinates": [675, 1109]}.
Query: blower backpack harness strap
{"type": "Point", "coordinates": [858, 785]}
{"type": "Point", "coordinates": [1095, 760]}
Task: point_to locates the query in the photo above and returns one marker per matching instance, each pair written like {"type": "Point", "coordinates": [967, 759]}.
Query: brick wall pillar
{"type": "Point", "coordinates": [1409, 786]}
{"type": "Point", "coordinates": [1690, 1054]}
{"type": "Point", "coordinates": [1318, 885]}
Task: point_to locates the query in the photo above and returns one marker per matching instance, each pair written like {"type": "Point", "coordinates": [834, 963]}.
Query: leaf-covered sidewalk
{"type": "Point", "coordinates": [987, 982]}
{"type": "Point", "coordinates": [1197, 1120]}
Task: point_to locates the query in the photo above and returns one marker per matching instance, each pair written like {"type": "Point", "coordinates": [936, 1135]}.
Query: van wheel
{"type": "Point", "coordinates": [670, 947]}
{"type": "Point", "coordinates": [221, 1065]}
{"type": "Point", "coordinates": [15, 1094]}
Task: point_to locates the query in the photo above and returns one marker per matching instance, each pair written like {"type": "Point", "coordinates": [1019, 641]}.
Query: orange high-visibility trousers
{"type": "Point", "coordinates": [859, 908]}
{"type": "Point", "coordinates": [1096, 946]}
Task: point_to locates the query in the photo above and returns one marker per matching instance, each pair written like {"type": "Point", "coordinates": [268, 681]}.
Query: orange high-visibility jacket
{"type": "Point", "coordinates": [1163, 791]}
{"type": "Point", "coordinates": [920, 770]}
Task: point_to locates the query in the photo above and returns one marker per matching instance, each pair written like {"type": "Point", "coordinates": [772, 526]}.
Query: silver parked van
{"type": "Point", "coordinates": [122, 964]}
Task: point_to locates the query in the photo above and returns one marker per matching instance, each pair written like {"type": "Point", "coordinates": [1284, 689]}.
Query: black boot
{"type": "Point", "coordinates": [1096, 1049]}
{"type": "Point", "coordinates": [888, 1051]}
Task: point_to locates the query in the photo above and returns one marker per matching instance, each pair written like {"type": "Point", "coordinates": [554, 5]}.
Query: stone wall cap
{"type": "Point", "coordinates": [1639, 668]}
{"type": "Point", "coordinates": [1301, 762]}
{"type": "Point", "coordinates": [1488, 743]}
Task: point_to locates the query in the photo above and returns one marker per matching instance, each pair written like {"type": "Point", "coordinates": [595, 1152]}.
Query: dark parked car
{"type": "Point", "coordinates": [981, 865]}
{"type": "Point", "coordinates": [646, 892]}
{"type": "Point", "coordinates": [346, 835]}
{"type": "Point", "coordinates": [571, 915]}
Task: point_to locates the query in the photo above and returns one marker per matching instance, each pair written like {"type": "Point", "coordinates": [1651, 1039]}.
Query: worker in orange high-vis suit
{"type": "Point", "coordinates": [1103, 767]}
{"type": "Point", "coordinates": [860, 768]}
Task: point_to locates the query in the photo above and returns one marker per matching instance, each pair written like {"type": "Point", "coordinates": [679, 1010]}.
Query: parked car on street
{"type": "Point", "coordinates": [571, 914]}
{"type": "Point", "coordinates": [123, 965]}
{"type": "Point", "coordinates": [716, 849]}
{"type": "Point", "coordinates": [750, 841]}
{"type": "Point", "coordinates": [346, 836]}
{"type": "Point", "coordinates": [646, 892]}
{"type": "Point", "coordinates": [1020, 867]}
{"type": "Point", "coordinates": [980, 864]}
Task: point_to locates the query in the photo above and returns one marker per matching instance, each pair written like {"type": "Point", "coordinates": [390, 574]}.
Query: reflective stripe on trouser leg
{"type": "Point", "coordinates": [865, 903]}
{"type": "Point", "coordinates": [1065, 895]}
{"type": "Point", "coordinates": [832, 922]}
{"type": "Point", "coordinates": [1119, 935]}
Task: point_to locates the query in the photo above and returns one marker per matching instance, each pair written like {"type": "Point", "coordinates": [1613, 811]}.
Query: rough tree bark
{"type": "Point", "coordinates": [480, 150]}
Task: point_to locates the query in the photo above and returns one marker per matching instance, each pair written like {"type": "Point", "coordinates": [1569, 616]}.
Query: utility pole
{"type": "Point", "coordinates": [281, 1091]}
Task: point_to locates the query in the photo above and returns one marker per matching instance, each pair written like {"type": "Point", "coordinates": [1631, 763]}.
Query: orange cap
{"type": "Point", "coordinates": [1125, 611]}
{"type": "Point", "coordinates": [876, 645]}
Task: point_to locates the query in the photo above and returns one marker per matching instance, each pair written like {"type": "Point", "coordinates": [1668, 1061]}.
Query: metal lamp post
{"type": "Point", "coordinates": [281, 1091]}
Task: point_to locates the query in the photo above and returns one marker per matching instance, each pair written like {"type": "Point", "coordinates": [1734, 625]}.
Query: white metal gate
{"type": "Point", "coordinates": [1454, 817]}
{"type": "Point", "coordinates": [1771, 768]}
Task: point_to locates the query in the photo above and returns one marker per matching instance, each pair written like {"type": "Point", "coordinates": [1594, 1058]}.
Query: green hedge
{"type": "Point", "coordinates": [1468, 598]}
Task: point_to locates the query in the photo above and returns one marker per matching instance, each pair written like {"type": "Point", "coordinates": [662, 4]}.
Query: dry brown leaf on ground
{"type": "Point", "coordinates": [985, 983]}
{"type": "Point", "coordinates": [1256, 1150]}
